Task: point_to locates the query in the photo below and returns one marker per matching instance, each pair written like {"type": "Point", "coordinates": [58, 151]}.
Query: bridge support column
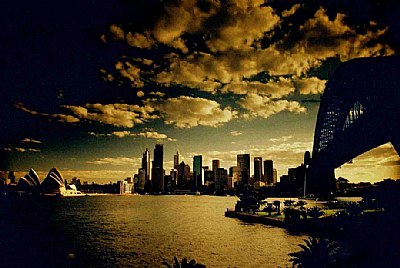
{"type": "Point", "coordinates": [321, 183]}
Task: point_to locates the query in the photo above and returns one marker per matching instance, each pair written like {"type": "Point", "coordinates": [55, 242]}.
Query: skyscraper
{"type": "Point", "coordinates": [258, 176]}
{"type": "Point", "coordinates": [146, 164]}
{"type": "Point", "coordinates": [157, 175]}
{"type": "Point", "coordinates": [243, 168]}
{"type": "Point", "coordinates": [215, 166]}
{"type": "Point", "coordinates": [275, 176]}
{"type": "Point", "coordinates": [176, 160]}
{"type": "Point", "coordinates": [233, 175]}
{"type": "Point", "coordinates": [183, 175]}
{"type": "Point", "coordinates": [197, 170]}
{"type": "Point", "coordinates": [269, 172]}
{"type": "Point", "coordinates": [141, 180]}
{"type": "Point", "coordinates": [221, 179]}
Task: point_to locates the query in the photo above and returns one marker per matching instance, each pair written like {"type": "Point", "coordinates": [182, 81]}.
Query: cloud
{"type": "Point", "coordinates": [60, 117]}
{"type": "Point", "coordinates": [21, 149]}
{"type": "Point", "coordinates": [291, 11]}
{"type": "Point", "coordinates": [130, 72]}
{"type": "Point", "coordinates": [187, 112]}
{"type": "Point", "coordinates": [139, 40]}
{"type": "Point", "coordinates": [123, 134]}
{"type": "Point", "coordinates": [113, 161]}
{"type": "Point", "coordinates": [281, 139]}
{"type": "Point", "coordinates": [242, 27]}
{"type": "Point", "coordinates": [21, 106]}
{"type": "Point", "coordinates": [235, 133]}
{"type": "Point", "coordinates": [117, 31]}
{"type": "Point", "coordinates": [140, 94]}
{"type": "Point", "coordinates": [275, 89]}
{"type": "Point", "coordinates": [236, 40]}
{"type": "Point", "coordinates": [321, 38]}
{"type": "Point", "coordinates": [310, 85]}
{"type": "Point", "coordinates": [262, 106]}
{"type": "Point", "coordinates": [157, 94]}
{"type": "Point", "coordinates": [28, 140]}
{"type": "Point", "coordinates": [65, 118]}
{"type": "Point", "coordinates": [120, 115]}
{"type": "Point", "coordinates": [377, 164]}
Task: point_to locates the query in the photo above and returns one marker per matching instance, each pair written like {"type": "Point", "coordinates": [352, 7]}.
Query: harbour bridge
{"type": "Point", "coordinates": [359, 110]}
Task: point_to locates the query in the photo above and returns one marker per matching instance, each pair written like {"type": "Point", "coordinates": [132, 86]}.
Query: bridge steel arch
{"type": "Point", "coordinates": [359, 110]}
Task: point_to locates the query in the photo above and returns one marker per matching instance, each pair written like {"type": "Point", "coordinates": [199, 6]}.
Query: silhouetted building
{"type": "Point", "coordinates": [233, 176]}
{"type": "Point", "coordinates": [146, 164]}
{"type": "Point", "coordinates": [169, 184]}
{"type": "Point", "coordinates": [275, 176]}
{"type": "Point", "coordinates": [269, 172]}
{"type": "Point", "coordinates": [158, 169]}
{"type": "Point", "coordinates": [258, 169]}
{"type": "Point", "coordinates": [292, 174]}
{"type": "Point", "coordinates": [11, 177]}
{"type": "Point", "coordinates": [284, 179]}
{"type": "Point", "coordinates": [208, 176]}
{"type": "Point", "coordinates": [174, 176]}
{"type": "Point", "coordinates": [197, 170]}
{"type": "Point", "coordinates": [141, 180]}
{"type": "Point", "coordinates": [243, 168]}
{"type": "Point", "coordinates": [221, 179]}
{"type": "Point", "coordinates": [183, 175]}
{"type": "Point", "coordinates": [215, 165]}
{"type": "Point", "coordinates": [125, 186]}
{"type": "Point", "coordinates": [176, 160]}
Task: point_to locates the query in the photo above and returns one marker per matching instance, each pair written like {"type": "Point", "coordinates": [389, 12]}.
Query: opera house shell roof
{"type": "Point", "coordinates": [53, 184]}
{"type": "Point", "coordinates": [30, 182]}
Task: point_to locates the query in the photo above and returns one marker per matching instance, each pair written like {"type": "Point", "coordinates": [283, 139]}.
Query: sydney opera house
{"type": "Point", "coordinates": [53, 184]}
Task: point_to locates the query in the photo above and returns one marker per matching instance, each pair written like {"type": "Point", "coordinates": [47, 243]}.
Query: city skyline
{"type": "Point", "coordinates": [87, 92]}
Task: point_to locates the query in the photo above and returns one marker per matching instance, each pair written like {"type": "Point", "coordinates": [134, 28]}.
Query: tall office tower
{"type": "Point", "coordinates": [258, 175]}
{"type": "Point", "coordinates": [269, 172]}
{"type": "Point", "coordinates": [275, 176]}
{"type": "Point", "coordinates": [243, 168]}
{"type": "Point", "coordinates": [233, 175]}
{"type": "Point", "coordinates": [197, 170]}
{"type": "Point", "coordinates": [157, 175]}
{"type": "Point", "coordinates": [292, 174]}
{"type": "Point", "coordinates": [176, 160]}
{"type": "Point", "coordinates": [141, 179]}
{"type": "Point", "coordinates": [146, 164]}
{"type": "Point", "coordinates": [221, 179]}
{"type": "Point", "coordinates": [183, 175]}
{"type": "Point", "coordinates": [215, 166]}
{"type": "Point", "coordinates": [174, 176]}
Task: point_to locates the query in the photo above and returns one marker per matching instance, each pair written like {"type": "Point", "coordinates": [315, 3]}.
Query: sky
{"type": "Point", "coordinates": [87, 86]}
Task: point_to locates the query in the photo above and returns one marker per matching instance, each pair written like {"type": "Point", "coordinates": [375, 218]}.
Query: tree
{"type": "Point", "coordinates": [269, 209]}
{"type": "Point", "coordinates": [317, 253]}
{"type": "Point", "coordinates": [301, 204]}
{"type": "Point", "coordinates": [315, 212]}
{"type": "Point", "coordinates": [277, 204]}
{"type": "Point", "coordinates": [353, 209]}
{"type": "Point", "coordinates": [184, 264]}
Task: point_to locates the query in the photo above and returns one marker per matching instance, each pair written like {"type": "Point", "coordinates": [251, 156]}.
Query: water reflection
{"type": "Point", "coordinates": [138, 231]}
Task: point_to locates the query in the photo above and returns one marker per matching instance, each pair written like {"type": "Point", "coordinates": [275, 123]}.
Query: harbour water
{"type": "Point", "coordinates": [136, 231]}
